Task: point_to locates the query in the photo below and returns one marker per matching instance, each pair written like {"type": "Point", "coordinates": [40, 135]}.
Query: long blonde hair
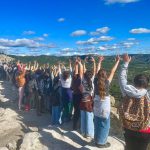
{"type": "Point", "coordinates": [102, 77]}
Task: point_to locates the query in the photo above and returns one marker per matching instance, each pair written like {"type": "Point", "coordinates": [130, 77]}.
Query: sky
{"type": "Point", "coordinates": [67, 27]}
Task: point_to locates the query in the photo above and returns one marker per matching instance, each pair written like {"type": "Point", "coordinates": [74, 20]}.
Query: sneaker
{"type": "Point", "coordinates": [103, 146]}
{"type": "Point", "coordinates": [27, 107]}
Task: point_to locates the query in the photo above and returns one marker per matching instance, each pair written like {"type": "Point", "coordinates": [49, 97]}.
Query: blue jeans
{"type": "Point", "coordinates": [87, 124]}
{"type": "Point", "coordinates": [56, 115]}
{"type": "Point", "coordinates": [101, 129]}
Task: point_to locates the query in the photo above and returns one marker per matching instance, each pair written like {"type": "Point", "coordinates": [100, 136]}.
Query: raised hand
{"type": "Point", "coordinates": [118, 58]}
{"type": "Point", "coordinates": [18, 62]}
{"type": "Point", "coordinates": [70, 61]}
{"type": "Point", "coordinates": [92, 59]}
{"type": "Point", "coordinates": [86, 59]}
{"type": "Point", "coordinates": [126, 58]}
{"type": "Point", "coordinates": [76, 60]}
{"type": "Point", "coordinates": [101, 58]}
{"type": "Point", "coordinates": [79, 60]}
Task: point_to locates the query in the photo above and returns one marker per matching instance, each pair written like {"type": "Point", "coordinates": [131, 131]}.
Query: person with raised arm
{"type": "Point", "coordinates": [86, 104]}
{"type": "Point", "coordinates": [77, 91]}
{"type": "Point", "coordinates": [56, 103]}
{"type": "Point", "coordinates": [20, 79]}
{"type": "Point", "coordinates": [134, 109]}
{"type": "Point", "coordinates": [66, 92]}
{"type": "Point", "coordinates": [102, 104]}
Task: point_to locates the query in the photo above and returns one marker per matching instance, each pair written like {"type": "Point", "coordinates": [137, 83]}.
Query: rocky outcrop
{"type": "Point", "coordinates": [51, 139]}
{"type": "Point", "coordinates": [114, 102]}
{"type": "Point", "coordinates": [32, 141]}
{"type": "Point", "coordinates": [26, 131]}
{"type": "Point", "coordinates": [12, 145]}
{"type": "Point", "coordinates": [4, 148]}
{"type": "Point", "coordinates": [5, 58]}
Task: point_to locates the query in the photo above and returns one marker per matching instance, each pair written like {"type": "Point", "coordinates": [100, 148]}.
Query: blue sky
{"type": "Point", "coordinates": [65, 27]}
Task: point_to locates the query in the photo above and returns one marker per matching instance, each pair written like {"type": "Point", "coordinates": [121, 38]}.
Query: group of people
{"type": "Point", "coordinates": [81, 94]}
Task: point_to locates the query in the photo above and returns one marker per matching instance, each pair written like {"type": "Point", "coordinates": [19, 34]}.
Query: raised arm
{"type": "Point", "coordinates": [114, 69]}
{"type": "Point", "coordinates": [18, 65]}
{"type": "Point", "coordinates": [122, 76]}
{"type": "Point", "coordinates": [84, 67]}
{"type": "Point", "coordinates": [80, 68]}
{"type": "Point", "coordinates": [100, 59]}
{"type": "Point", "coordinates": [59, 69]}
{"type": "Point", "coordinates": [37, 65]}
{"type": "Point", "coordinates": [34, 66]}
{"type": "Point", "coordinates": [70, 65]}
{"type": "Point", "coordinates": [29, 65]}
{"type": "Point", "coordinates": [94, 66]}
{"type": "Point", "coordinates": [56, 73]}
{"type": "Point", "coordinates": [24, 71]}
{"type": "Point", "coordinates": [76, 67]}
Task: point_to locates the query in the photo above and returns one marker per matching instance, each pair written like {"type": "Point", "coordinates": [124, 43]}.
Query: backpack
{"type": "Point", "coordinates": [86, 102]}
{"type": "Point", "coordinates": [134, 113]}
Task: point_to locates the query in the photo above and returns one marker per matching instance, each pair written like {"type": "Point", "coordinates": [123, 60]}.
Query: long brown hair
{"type": "Point", "coordinates": [88, 76]}
{"type": "Point", "coordinates": [102, 77]}
{"type": "Point", "coordinates": [66, 75]}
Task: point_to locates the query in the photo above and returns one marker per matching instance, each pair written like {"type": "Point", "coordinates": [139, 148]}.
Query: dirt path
{"type": "Point", "coordinates": [32, 130]}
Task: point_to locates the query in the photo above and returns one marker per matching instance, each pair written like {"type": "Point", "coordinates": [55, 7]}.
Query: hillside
{"type": "Point", "coordinates": [140, 58]}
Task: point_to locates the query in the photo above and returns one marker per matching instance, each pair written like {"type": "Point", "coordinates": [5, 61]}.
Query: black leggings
{"type": "Point", "coordinates": [136, 140]}
{"type": "Point", "coordinates": [76, 104]}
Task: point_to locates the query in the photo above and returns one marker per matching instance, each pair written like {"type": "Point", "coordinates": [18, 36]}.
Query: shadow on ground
{"type": "Point", "coordinates": [56, 138]}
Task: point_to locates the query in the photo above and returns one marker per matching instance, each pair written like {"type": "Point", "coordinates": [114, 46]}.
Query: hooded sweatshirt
{"type": "Point", "coordinates": [130, 90]}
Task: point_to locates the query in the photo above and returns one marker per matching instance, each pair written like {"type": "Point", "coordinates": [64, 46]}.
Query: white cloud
{"type": "Point", "coordinates": [28, 33]}
{"type": "Point", "coordinates": [81, 42]}
{"type": "Point", "coordinates": [4, 48]}
{"type": "Point", "coordinates": [92, 41]}
{"type": "Point", "coordinates": [131, 39]}
{"type": "Point", "coordinates": [128, 44]}
{"type": "Point", "coordinates": [20, 43]}
{"type": "Point", "coordinates": [102, 48]}
{"type": "Point", "coordinates": [27, 43]}
{"type": "Point", "coordinates": [120, 1]}
{"type": "Point", "coordinates": [105, 38]}
{"type": "Point", "coordinates": [66, 49]}
{"type": "Point", "coordinates": [109, 47]}
{"type": "Point", "coordinates": [79, 33]}
{"type": "Point", "coordinates": [39, 39]}
{"type": "Point", "coordinates": [103, 30]}
{"type": "Point", "coordinates": [88, 42]}
{"type": "Point", "coordinates": [50, 45]}
{"type": "Point", "coordinates": [61, 19]}
{"type": "Point", "coordinates": [45, 35]}
{"type": "Point", "coordinates": [140, 30]}
{"type": "Point", "coordinates": [94, 33]}
{"type": "Point", "coordinates": [98, 31]}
